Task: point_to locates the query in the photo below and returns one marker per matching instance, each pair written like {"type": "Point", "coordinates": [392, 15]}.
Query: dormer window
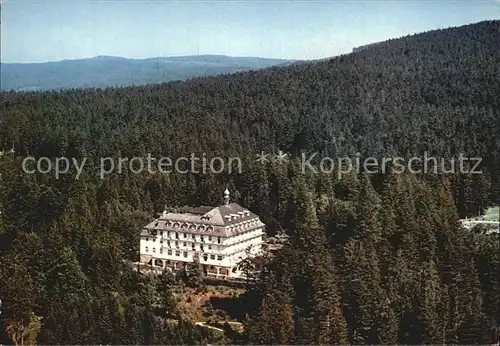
{"type": "Point", "coordinates": [210, 229]}
{"type": "Point", "coordinates": [201, 228]}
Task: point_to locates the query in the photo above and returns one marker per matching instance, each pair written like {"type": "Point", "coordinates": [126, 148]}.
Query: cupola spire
{"type": "Point", "coordinates": [226, 196]}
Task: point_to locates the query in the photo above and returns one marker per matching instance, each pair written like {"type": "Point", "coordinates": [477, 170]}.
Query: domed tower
{"type": "Point", "coordinates": [226, 196]}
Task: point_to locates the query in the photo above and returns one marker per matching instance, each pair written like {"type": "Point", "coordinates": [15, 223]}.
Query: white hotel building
{"type": "Point", "coordinates": [220, 237]}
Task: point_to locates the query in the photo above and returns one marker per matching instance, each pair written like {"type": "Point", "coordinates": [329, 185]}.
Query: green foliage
{"type": "Point", "coordinates": [193, 274]}
{"type": "Point", "coordinates": [371, 259]}
{"type": "Point", "coordinates": [421, 282]}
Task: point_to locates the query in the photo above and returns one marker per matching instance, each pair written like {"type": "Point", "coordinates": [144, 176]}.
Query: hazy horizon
{"type": "Point", "coordinates": [46, 31]}
{"type": "Point", "coordinates": [146, 58]}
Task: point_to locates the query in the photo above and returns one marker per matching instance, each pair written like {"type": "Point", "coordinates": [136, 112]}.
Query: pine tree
{"type": "Point", "coordinates": [329, 323]}
{"type": "Point", "coordinates": [368, 225]}
{"type": "Point", "coordinates": [274, 323]}
{"type": "Point", "coordinates": [431, 305]}
{"type": "Point", "coordinates": [164, 288]}
{"type": "Point", "coordinates": [194, 274]}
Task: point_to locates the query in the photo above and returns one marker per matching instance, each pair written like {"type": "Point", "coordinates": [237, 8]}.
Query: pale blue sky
{"type": "Point", "coordinates": [45, 30]}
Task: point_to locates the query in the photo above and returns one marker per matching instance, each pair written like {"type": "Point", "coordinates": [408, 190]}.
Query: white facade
{"type": "Point", "coordinates": [219, 237]}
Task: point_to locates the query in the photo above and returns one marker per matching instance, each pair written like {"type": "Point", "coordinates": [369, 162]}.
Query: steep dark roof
{"type": "Point", "coordinates": [214, 218]}
{"type": "Point", "coordinates": [234, 209]}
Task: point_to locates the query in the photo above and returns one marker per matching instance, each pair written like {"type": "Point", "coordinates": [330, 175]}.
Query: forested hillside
{"type": "Point", "coordinates": [372, 259]}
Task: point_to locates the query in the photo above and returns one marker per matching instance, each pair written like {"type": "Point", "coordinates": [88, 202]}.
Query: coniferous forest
{"type": "Point", "coordinates": [371, 258]}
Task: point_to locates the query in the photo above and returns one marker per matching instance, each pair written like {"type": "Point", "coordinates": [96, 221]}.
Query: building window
{"type": "Point", "coordinates": [161, 233]}
{"type": "Point", "coordinates": [212, 257]}
{"type": "Point", "coordinates": [205, 257]}
{"type": "Point", "coordinates": [185, 254]}
{"type": "Point", "coordinates": [218, 240]}
{"type": "Point", "coordinates": [210, 238]}
{"type": "Point", "coordinates": [177, 253]}
{"type": "Point", "coordinates": [201, 237]}
{"type": "Point", "coordinates": [185, 235]}
{"type": "Point", "coordinates": [146, 249]}
{"type": "Point", "coordinates": [219, 258]}
{"type": "Point", "coordinates": [176, 235]}
{"type": "Point", "coordinates": [147, 239]}
{"type": "Point", "coordinates": [193, 236]}
{"type": "Point", "coordinates": [184, 244]}
{"type": "Point", "coordinates": [169, 252]}
{"type": "Point", "coordinates": [210, 247]}
{"type": "Point", "coordinates": [161, 250]}
{"type": "Point", "coordinates": [154, 249]}
{"type": "Point", "coordinates": [168, 242]}
{"type": "Point", "coordinates": [168, 234]}
{"type": "Point", "coordinates": [176, 243]}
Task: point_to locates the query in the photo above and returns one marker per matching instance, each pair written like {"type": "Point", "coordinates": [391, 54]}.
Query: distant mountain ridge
{"type": "Point", "coordinates": [112, 71]}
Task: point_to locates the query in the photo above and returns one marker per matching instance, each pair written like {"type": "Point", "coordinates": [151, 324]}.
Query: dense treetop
{"type": "Point", "coordinates": [372, 259]}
